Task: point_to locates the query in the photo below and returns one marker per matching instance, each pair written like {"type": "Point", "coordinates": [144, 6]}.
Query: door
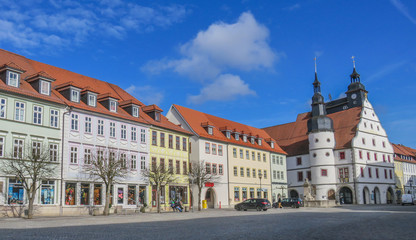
{"type": "Point", "coordinates": [345, 195]}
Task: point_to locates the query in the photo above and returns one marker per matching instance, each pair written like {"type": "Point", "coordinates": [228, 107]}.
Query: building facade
{"type": "Point", "coordinates": [341, 148]}
{"type": "Point", "coordinates": [405, 170]}
{"type": "Point", "coordinates": [238, 153]}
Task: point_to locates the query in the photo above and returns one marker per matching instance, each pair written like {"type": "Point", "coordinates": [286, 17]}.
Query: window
{"type": "Point", "coordinates": [143, 162]}
{"type": "Point", "coordinates": [97, 194]}
{"type": "Point", "coordinates": [87, 125]}
{"type": "Point", "coordinates": [214, 169]}
{"type": "Point", "coordinates": [74, 155]}
{"type": "Point", "coordinates": [170, 141]}
{"type": "Point", "coordinates": [157, 116]}
{"type": "Point", "coordinates": [19, 112]}
{"type": "Point", "coordinates": [237, 136]}
{"type": "Point", "coordinates": [236, 194]}
{"type": "Point", "coordinates": [363, 141]}
{"type": "Point", "coordinates": [384, 158]}
{"type": "Point", "coordinates": [53, 152]}
{"type": "Point", "coordinates": [1, 146]}
{"type": "Point", "coordinates": [254, 173]}
{"type": "Point", "coordinates": [375, 156]}
{"type": "Point", "coordinates": [259, 142]}
{"type": "Point", "coordinates": [235, 152]}
{"type": "Point", "coordinates": [13, 79]}
{"type": "Point", "coordinates": [228, 134]}
{"type": "Point", "coordinates": [235, 172]}
{"type": "Point", "coordinates": [178, 167]}
{"type": "Point", "coordinates": [47, 192]}
{"type": "Point", "coordinates": [259, 173]}
{"type": "Point", "coordinates": [133, 134]}
{"type": "Point", "coordinates": [70, 193]}
{"type": "Point", "coordinates": [210, 130]}
{"type": "Point", "coordinates": [162, 164]}
{"type": "Point", "coordinates": [341, 155]}
{"type": "Point", "coordinates": [92, 100]}
{"type": "Point", "coordinates": [265, 174]}
{"type": "Point", "coordinates": [298, 161]}
{"type": "Point", "coordinates": [252, 140]}
{"type": "Point", "coordinates": [154, 138]}
{"type": "Point", "coordinates": [18, 148]}
{"type": "Point", "coordinates": [143, 135]}
{"type": "Point", "coordinates": [74, 95]}
{"type": "Point", "coordinates": [369, 172]}
{"type": "Point", "coordinates": [360, 153]}
{"type": "Point", "coordinates": [241, 172]}
{"type": "Point", "coordinates": [388, 157]}
{"type": "Point", "coordinates": [244, 193]}
{"type": "Point", "coordinates": [185, 168]}
{"type": "Point", "coordinates": [308, 175]}
{"type": "Point", "coordinates": [281, 160]}
{"type": "Point", "coordinates": [112, 129]}
{"type": "Point", "coordinates": [368, 155]}
{"type": "Point", "coordinates": [258, 193]}
{"type": "Point", "coordinates": [36, 148]}
{"type": "Point", "coordinates": [214, 149]}
{"type": "Point", "coordinates": [385, 173]}
{"type": "Point", "coordinates": [324, 172]}
{"type": "Point", "coordinates": [184, 144]}
{"type": "Point", "coordinates": [300, 176]}
{"type": "Point", "coordinates": [85, 194]}
{"type": "Point", "coordinates": [207, 147]}
{"type": "Point", "coordinates": [247, 155]}
{"type": "Point", "coordinates": [135, 111]}
{"type": "Point", "coordinates": [391, 175]}
{"type": "Point", "coordinates": [244, 138]}
{"type": "Point", "coordinates": [153, 164]}
{"type": "Point", "coordinates": [272, 144]}
{"type": "Point", "coordinates": [258, 157]}
{"type": "Point", "coordinates": [170, 169]}
{"type": "Point", "coordinates": [220, 169]}
{"type": "Point", "coordinates": [208, 168]}
{"type": "Point", "coordinates": [87, 156]}
{"type": "Point", "coordinates": [133, 162]}
{"type": "Point", "coordinates": [248, 172]}
{"type": "Point", "coordinates": [123, 158]}
{"type": "Point", "coordinates": [2, 108]}
{"type": "Point", "coordinates": [16, 192]}
{"type": "Point", "coordinates": [384, 144]}
{"type": "Point", "coordinates": [123, 132]}
{"type": "Point", "coordinates": [241, 154]}
{"type": "Point", "coordinates": [113, 106]}
{"type": "Point", "coordinates": [45, 87]}
{"type": "Point", "coordinates": [100, 127]}
{"type": "Point", "coordinates": [131, 195]}
{"type": "Point", "coordinates": [74, 122]}
{"type": "Point", "coordinates": [178, 143]}
{"type": "Point", "coordinates": [362, 171]}
{"type": "Point", "coordinates": [377, 173]}
{"type": "Point", "coordinates": [251, 192]}
{"type": "Point", "coordinates": [264, 157]}
{"type": "Point", "coordinates": [374, 141]}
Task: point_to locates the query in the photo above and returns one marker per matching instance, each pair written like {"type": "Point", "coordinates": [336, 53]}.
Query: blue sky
{"type": "Point", "coordinates": [247, 61]}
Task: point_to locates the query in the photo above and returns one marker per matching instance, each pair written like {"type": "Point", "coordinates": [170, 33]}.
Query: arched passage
{"type": "Point", "coordinates": [390, 196]}
{"type": "Point", "coordinates": [376, 196]}
{"type": "Point", "coordinates": [294, 194]}
{"type": "Point", "coordinates": [345, 195]}
{"type": "Point", "coordinates": [210, 196]}
{"type": "Point", "coordinates": [366, 196]}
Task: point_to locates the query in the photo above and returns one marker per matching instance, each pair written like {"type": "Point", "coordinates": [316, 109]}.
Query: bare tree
{"type": "Point", "coordinates": [109, 166]}
{"type": "Point", "coordinates": [158, 176]}
{"type": "Point", "coordinates": [198, 175]}
{"type": "Point", "coordinates": [30, 164]}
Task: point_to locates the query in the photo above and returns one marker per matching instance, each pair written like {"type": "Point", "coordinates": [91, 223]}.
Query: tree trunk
{"type": "Point", "coordinates": [107, 201]}
{"type": "Point", "coordinates": [199, 198]}
{"type": "Point", "coordinates": [31, 197]}
{"type": "Point", "coordinates": [158, 198]}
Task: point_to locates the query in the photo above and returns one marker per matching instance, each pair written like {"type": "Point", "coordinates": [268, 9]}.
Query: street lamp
{"type": "Point", "coordinates": [260, 176]}
{"type": "Point", "coordinates": [411, 189]}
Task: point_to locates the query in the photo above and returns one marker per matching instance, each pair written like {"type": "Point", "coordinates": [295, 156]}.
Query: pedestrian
{"type": "Point", "coordinates": [280, 203]}
{"type": "Point", "coordinates": [173, 205]}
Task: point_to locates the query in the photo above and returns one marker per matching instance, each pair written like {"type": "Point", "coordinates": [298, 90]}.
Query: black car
{"type": "Point", "coordinates": [253, 203]}
{"type": "Point", "coordinates": [289, 202]}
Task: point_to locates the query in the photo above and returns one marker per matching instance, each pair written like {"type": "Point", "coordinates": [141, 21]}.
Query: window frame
{"type": "Point", "coordinates": [37, 115]}
{"type": "Point", "coordinates": [9, 74]}
{"type": "Point", "coordinates": [19, 111]}
{"type": "Point", "coordinates": [3, 108]}
{"type": "Point", "coordinates": [42, 85]}
{"type": "Point", "coordinates": [75, 95]}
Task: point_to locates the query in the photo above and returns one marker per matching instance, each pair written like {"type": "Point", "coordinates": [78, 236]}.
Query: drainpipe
{"type": "Point", "coordinates": [69, 110]}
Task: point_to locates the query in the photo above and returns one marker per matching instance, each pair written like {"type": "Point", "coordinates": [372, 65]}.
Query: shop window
{"type": "Point", "coordinates": [258, 192]}
{"type": "Point", "coordinates": [85, 194]}
{"type": "Point", "coordinates": [142, 194]}
{"type": "Point", "coordinates": [70, 193]}
{"type": "Point", "coordinates": [244, 193]}
{"type": "Point", "coordinates": [98, 194]}
{"type": "Point", "coordinates": [120, 195]}
{"type": "Point", "coordinates": [178, 193]}
{"type": "Point", "coordinates": [132, 195]}
{"type": "Point", "coordinates": [47, 192]}
{"type": "Point", "coordinates": [265, 194]}
{"type": "Point", "coordinates": [252, 193]}
{"type": "Point", "coordinates": [236, 194]}
{"type": "Point", "coordinates": [16, 192]}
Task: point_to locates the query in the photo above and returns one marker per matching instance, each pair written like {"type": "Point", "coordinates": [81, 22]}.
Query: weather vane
{"type": "Point", "coordinates": [315, 63]}
{"type": "Point", "coordinates": [353, 61]}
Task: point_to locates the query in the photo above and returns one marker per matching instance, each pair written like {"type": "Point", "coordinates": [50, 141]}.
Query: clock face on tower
{"type": "Point", "coordinates": [354, 96]}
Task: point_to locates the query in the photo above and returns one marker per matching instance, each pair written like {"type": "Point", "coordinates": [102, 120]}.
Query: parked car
{"type": "Point", "coordinates": [407, 199]}
{"type": "Point", "coordinates": [290, 202]}
{"type": "Point", "coordinates": [253, 203]}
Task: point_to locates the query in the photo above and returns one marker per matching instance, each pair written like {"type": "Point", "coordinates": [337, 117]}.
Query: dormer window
{"type": "Point", "coordinates": [113, 106]}
{"type": "Point", "coordinates": [92, 100]}
{"type": "Point", "coordinates": [272, 144]}
{"type": "Point", "coordinates": [259, 141]}
{"type": "Point", "coordinates": [12, 79]}
{"type": "Point", "coordinates": [45, 87]}
{"type": "Point", "coordinates": [245, 138]}
{"type": "Point", "coordinates": [210, 132]}
{"type": "Point", "coordinates": [252, 140]}
{"type": "Point", "coordinates": [237, 136]}
{"type": "Point", "coordinates": [74, 95]}
{"type": "Point", "coordinates": [157, 116]}
{"type": "Point", "coordinates": [228, 134]}
{"type": "Point", "coordinates": [135, 112]}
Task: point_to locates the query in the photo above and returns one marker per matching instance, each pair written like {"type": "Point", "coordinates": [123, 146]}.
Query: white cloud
{"type": "Point", "coordinates": [403, 10]}
{"type": "Point", "coordinates": [77, 21]}
{"type": "Point", "coordinates": [147, 94]}
{"type": "Point", "coordinates": [292, 7]}
{"type": "Point", "coordinates": [225, 87]}
{"type": "Point", "coordinates": [217, 51]}
{"type": "Point", "coordinates": [385, 70]}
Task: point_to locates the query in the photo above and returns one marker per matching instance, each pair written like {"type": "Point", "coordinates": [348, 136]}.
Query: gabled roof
{"type": "Point", "coordinates": [404, 151]}
{"type": "Point", "coordinates": [196, 121]}
{"type": "Point", "coordinates": [151, 108]}
{"type": "Point", "coordinates": [293, 137]}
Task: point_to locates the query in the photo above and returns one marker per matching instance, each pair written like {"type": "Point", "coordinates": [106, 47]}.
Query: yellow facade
{"type": "Point", "coordinates": [398, 172]}
{"type": "Point", "coordinates": [244, 167]}
{"type": "Point", "coordinates": [172, 148]}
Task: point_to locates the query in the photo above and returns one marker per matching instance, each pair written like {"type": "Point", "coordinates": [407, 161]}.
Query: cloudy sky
{"type": "Point", "coordinates": [248, 61]}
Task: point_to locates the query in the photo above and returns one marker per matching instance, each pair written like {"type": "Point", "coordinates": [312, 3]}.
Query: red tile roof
{"type": "Point", "coordinates": [404, 151]}
{"type": "Point", "coordinates": [151, 108]}
{"type": "Point", "coordinates": [196, 119]}
{"type": "Point", "coordinates": [64, 78]}
{"type": "Point", "coordinates": [293, 137]}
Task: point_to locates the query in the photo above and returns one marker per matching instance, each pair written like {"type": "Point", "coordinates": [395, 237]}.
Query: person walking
{"type": "Point", "coordinates": [279, 203]}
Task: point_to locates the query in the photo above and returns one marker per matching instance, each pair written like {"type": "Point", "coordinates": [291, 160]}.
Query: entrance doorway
{"type": "Point", "coordinates": [345, 195]}
{"type": "Point", "coordinates": [366, 196]}
{"type": "Point", "coordinates": [376, 196]}
{"type": "Point", "coordinates": [210, 197]}
{"type": "Point", "coordinates": [390, 195]}
{"type": "Point", "coordinates": [294, 194]}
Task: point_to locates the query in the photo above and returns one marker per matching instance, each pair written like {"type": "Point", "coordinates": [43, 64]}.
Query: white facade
{"type": "Point", "coordinates": [278, 176]}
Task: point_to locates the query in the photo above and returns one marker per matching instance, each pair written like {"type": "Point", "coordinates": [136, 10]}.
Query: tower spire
{"type": "Point", "coordinates": [355, 77]}
{"type": "Point", "coordinates": [316, 83]}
